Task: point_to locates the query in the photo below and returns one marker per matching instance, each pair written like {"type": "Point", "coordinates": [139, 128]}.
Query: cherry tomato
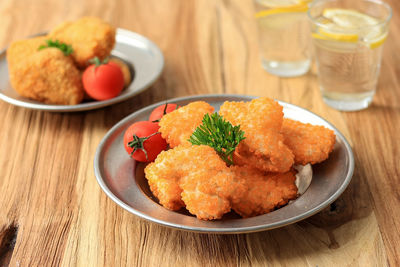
{"type": "Point", "coordinates": [160, 111]}
{"type": "Point", "coordinates": [103, 80]}
{"type": "Point", "coordinates": [143, 141]}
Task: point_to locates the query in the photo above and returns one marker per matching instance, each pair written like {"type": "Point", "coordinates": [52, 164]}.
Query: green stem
{"type": "Point", "coordinates": [97, 62]}
{"type": "Point", "coordinates": [138, 143]}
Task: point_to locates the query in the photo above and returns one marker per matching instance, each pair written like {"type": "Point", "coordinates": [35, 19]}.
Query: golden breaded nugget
{"type": "Point", "coordinates": [197, 177]}
{"type": "Point", "coordinates": [261, 121]}
{"type": "Point", "coordinates": [46, 75]}
{"type": "Point", "coordinates": [125, 70]}
{"type": "Point", "coordinates": [177, 126]}
{"type": "Point", "coordinates": [164, 179]}
{"type": "Point", "coordinates": [309, 143]}
{"type": "Point", "coordinates": [200, 196]}
{"type": "Point", "coordinates": [266, 191]}
{"type": "Point", "coordinates": [19, 50]}
{"type": "Point", "coordinates": [89, 37]}
{"type": "Point", "coordinates": [209, 193]}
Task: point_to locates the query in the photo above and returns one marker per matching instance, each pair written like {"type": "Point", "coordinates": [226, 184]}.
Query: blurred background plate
{"type": "Point", "coordinates": [122, 178]}
{"type": "Point", "coordinates": [146, 63]}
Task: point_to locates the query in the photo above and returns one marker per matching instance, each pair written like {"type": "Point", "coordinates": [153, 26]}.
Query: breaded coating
{"type": "Point", "coordinates": [163, 178]}
{"type": "Point", "coordinates": [46, 75]}
{"type": "Point", "coordinates": [309, 143]}
{"type": "Point", "coordinates": [204, 184]}
{"type": "Point", "coordinates": [177, 126]}
{"type": "Point", "coordinates": [210, 193]}
{"type": "Point", "coordinates": [19, 50]}
{"type": "Point", "coordinates": [261, 121]}
{"type": "Point", "coordinates": [89, 37]}
{"type": "Point", "coordinates": [266, 191]}
{"type": "Point", "coordinates": [201, 199]}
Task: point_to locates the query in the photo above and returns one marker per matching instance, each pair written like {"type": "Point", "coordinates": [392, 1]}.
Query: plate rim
{"type": "Point", "coordinates": [236, 230]}
{"type": "Point", "coordinates": [96, 104]}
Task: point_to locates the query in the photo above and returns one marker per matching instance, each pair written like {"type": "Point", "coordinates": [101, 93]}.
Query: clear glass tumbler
{"type": "Point", "coordinates": [348, 39]}
{"type": "Point", "coordinates": [284, 36]}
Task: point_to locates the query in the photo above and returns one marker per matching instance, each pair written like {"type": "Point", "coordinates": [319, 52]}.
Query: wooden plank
{"type": "Point", "coordinates": [53, 213]}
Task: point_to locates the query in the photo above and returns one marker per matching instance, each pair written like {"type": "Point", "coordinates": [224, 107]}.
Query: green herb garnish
{"type": "Point", "coordinates": [66, 49]}
{"type": "Point", "coordinates": [98, 62]}
{"type": "Point", "coordinates": [219, 134]}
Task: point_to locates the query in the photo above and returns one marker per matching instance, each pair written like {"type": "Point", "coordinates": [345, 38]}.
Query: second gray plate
{"type": "Point", "coordinates": [143, 55]}
{"type": "Point", "coordinates": [122, 179]}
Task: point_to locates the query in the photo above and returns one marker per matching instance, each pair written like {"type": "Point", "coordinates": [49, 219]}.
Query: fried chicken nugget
{"type": "Point", "coordinates": [19, 50]}
{"type": "Point", "coordinates": [204, 183]}
{"type": "Point", "coordinates": [89, 37]}
{"type": "Point", "coordinates": [46, 75]}
{"type": "Point", "coordinates": [210, 193]}
{"type": "Point", "coordinates": [164, 176]}
{"type": "Point", "coordinates": [309, 143]}
{"type": "Point", "coordinates": [177, 126]}
{"type": "Point", "coordinates": [266, 191]}
{"type": "Point", "coordinates": [261, 121]}
{"type": "Point", "coordinates": [200, 196]}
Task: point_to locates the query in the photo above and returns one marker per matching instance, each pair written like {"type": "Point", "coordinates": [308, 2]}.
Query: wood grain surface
{"type": "Point", "coordinates": [53, 213]}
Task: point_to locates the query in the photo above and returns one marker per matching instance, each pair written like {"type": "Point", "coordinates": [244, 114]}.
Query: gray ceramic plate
{"type": "Point", "coordinates": [143, 56]}
{"type": "Point", "coordinates": [122, 179]}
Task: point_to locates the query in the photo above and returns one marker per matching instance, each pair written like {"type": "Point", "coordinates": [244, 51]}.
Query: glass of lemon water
{"type": "Point", "coordinates": [284, 33]}
{"type": "Point", "coordinates": [348, 38]}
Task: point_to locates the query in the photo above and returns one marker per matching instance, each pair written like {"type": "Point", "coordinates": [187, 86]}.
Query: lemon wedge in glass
{"type": "Point", "coordinates": [350, 26]}
{"type": "Point", "coordinates": [282, 6]}
{"type": "Point", "coordinates": [349, 18]}
{"type": "Point", "coordinates": [281, 3]}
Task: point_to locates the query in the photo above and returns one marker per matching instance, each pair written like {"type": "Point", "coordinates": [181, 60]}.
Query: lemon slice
{"type": "Point", "coordinates": [281, 3]}
{"type": "Point", "coordinates": [282, 6]}
{"type": "Point", "coordinates": [334, 33]}
{"type": "Point", "coordinates": [377, 41]}
{"type": "Point", "coordinates": [348, 18]}
{"type": "Point", "coordinates": [347, 25]}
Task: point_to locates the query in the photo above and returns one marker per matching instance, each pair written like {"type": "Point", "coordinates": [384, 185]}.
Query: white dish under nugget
{"type": "Point", "coordinates": [122, 178]}
{"type": "Point", "coordinates": [144, 57]}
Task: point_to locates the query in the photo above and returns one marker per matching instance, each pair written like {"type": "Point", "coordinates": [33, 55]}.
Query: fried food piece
{"type": "Point", "coordinates": [210, 193]}
{"type": "Point", "coordinates": [266, 191]}
{"type": "Point", "coordinates": [46, 75]}
{"type": "Point", "coordinates": [177, 126]}
{"type": "Point", "coordinates": [163, 178]}
{"type": "Point", "coordinates": [89, 37]}
{"type": "Point", "coordinates": [309, 143]}
{"type": "Point", "coordinates": [125, 70]}
{"type": "Point", "coordinates": [19, 50]}
{"type": "Point", "coordinates": [204, 183]}
{"type": "Point", "coordinates": [203, 203]}
{"type": "Point", "coordinates": [261, 121]}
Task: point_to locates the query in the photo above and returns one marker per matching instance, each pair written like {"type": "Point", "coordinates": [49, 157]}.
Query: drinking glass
{"type": "Point", "coordinates": [348, 39]}
{"type": "Point", "coordinates": [284, 41]}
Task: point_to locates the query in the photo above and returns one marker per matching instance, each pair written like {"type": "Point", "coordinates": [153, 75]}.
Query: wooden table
{"type": "Point", "coordinates": [53, 213]}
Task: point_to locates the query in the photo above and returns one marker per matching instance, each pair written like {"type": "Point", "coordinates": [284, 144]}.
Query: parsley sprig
{"type": "Point", "coordinates": [219, 134]}
{"type": "Point", "coordinates": [66, 49]}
